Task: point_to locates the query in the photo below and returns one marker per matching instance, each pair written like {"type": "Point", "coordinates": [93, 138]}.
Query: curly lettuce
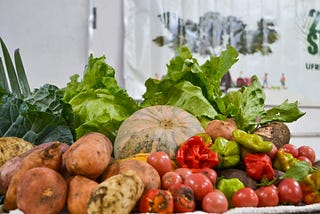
{"type": "Point", "coordinates": [98, 103]}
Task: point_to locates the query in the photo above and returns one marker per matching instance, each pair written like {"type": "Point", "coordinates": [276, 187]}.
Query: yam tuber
{"type": "Point", "coordinates": [49, 156]}
{"type": "Point", "coordinates": [9, 168]}
{"type": "Point", "coordinates": [41, 190]}
{"type": "Point", "coordinates": [79, 192]}
{"type": "Point", "coordinates": [89, 155]}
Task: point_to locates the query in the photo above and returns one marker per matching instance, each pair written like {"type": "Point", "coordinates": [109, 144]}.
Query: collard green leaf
{"type": "Point", "coordinates": [23, 120]}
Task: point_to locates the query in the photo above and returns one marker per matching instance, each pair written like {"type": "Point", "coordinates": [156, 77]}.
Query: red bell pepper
{"type": "Point", "coordinates": [259, 166]}
{"type": "Point", "coordinates": [195, 154]}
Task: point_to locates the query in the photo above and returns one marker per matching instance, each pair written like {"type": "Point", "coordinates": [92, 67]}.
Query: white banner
{"type": "Point", "coordinates": [277, 39]}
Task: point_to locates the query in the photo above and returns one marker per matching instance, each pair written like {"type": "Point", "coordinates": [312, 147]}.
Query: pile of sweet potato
{"type": "Point", "coordinates": [81, 178]}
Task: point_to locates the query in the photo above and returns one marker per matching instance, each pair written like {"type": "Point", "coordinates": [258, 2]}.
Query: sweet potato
{"type": "Point", "coordinates": [9, 168]}
{"type": "Point", "coordinates": [117, 194]}
{"type": "Point", "coordinates": [221, 128]}
{"type": "Point", "coordinates": [148, 174]}
{"type": "Point", "coordinates": [89, 155]}
{"type": "Point", "coordinates": [47, 157]}
{"type": "Point", "coordinates": [79, 192]}
{"type": "Point", "coordinates": [11, 147]}
{"type": "Point", "coordinates": [41, 190]}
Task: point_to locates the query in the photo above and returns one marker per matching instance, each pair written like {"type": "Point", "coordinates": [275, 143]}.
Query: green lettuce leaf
{"type": "Point", "coordinates": [196, 88]}
{"type": "Point", "coordinates": [189, 85]}
{"type": "Point", "coordinates": [98, 103]}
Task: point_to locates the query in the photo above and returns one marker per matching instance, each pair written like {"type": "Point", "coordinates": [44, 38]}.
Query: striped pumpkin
{"type": "Point", "coordinates": [155, 128]}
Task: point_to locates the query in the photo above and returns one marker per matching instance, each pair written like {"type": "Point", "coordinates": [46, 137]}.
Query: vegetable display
{"type": "Point", "coordinates": [185, 147]}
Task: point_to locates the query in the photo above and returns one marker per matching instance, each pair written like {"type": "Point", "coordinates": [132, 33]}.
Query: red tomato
{"type": "Point", "coordinates": [156, 201]}
{"type": "Point", "coordinates": [308, 152]}
{"type": "Point", "coordinates": [290, 148]}
{"type": "Point", "coordinates": [200, 184]}
{"type": "Point", "coordinates": [304, 158]}
{"type": "Point", "coordinates": [183, 198]}
{"type": "Point", "coordinates": [289, 191]}
{"type": "Point", "coordinates": [183, 172]}
{"type": "Point", "coordinates": [273, 152]}
{"type": "Point", "coordinates": [210, 173]}
{"type": "Point", "coordinates": [169, 179]}
{"type": "Point", "coordinates": [215, 202]}
{"type": "Point", "coordinates": [268, 196]}
{"type": "Point", "coordinates": [161, 161]}
{"type": "Point", "coordinates": [245, 197]}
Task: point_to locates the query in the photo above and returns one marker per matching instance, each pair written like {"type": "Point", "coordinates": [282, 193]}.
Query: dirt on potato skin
{"type": "Point", "coordinates": [276, 132]}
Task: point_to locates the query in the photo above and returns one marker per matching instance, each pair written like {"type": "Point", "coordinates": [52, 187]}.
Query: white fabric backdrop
{"type": "Point", "coordinates": [291, 19]}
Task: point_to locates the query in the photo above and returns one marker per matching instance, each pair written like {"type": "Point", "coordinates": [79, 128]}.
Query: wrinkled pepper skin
{"type": "Point", "coordinates": [229, 186]}
{"type": "Point", "coordinates": [228, 152]}
{"type": "Point", "coordinates": [252, 142]}
{"type": "Point", "coordinates": [284, 160]}
{"type": "Point", "coordinates": [310, 186]}
{"type": "Point", "coordinates": [194, 154]}
{"type": "Point", "coordinates": [259, 166]}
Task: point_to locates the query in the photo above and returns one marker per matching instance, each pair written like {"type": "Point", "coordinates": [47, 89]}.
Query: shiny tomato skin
{"type": "Point", "coordinates": [290, 148]}
{"type": "Point", "coordinates": [169, 179]}
{"type": "Point", "coordinates": [245, 197]}
{"type": "Point", "coordinates": [183, 172]}
{"type": "Point", "coordinates": [200, 184]}
{"type": "Point", "coordinates": [304, 158]}
{"type": "Point", "coordinates": [308, 152]}
{"type": "Point", "coordinates": [156, 201]}
{"type": "Point", "coordinates": [289, 192]}
{"type": "Point", "coordinates": [210, 173]}
{"type": "Point", "coordinates": [161, 161]}
{"type": "Point", "coordinates": [183, 198]}
{"type": "Point", "coordinates": [215, 202]}
{"type": "Point", "coordinates": [268, 196]}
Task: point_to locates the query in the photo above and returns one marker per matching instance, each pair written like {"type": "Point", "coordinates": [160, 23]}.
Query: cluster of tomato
{"type": "Point", "coordinates": [185, 189]}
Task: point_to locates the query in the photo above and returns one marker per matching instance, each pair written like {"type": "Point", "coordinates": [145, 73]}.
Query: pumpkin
{"type": "Point", "coordinates": [155, 128]}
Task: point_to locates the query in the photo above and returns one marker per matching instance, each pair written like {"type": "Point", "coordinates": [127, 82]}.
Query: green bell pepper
{"type": "Point", "coordinates": [228, 152]}
{"type": "Point", "coordinates": [253, 142]}
{"type": "Point", "coordinates": [229, 186]}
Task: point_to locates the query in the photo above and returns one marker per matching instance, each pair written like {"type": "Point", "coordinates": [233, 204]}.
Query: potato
{"type": "Point", "coordinates": [89, 155]}
{"type": "Point", "coordinates": [148, 174]}
{"type": "Point", "coordinates": [79, 192]}
{"type": "Point", "coordinates": [9, 168]}
{"type": "Point", "coordinates": [49, 156]}
{"type": "Point", "coordinates": [221, 128]}
{"type": "Point", "coordinates": [117, 194]}
{"type": "Point", "coordinates": [41, 190]}
{"type": "Point", "coordinates": [276, 132]}
{"type": "Point", "coordinates": [11, 147]}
